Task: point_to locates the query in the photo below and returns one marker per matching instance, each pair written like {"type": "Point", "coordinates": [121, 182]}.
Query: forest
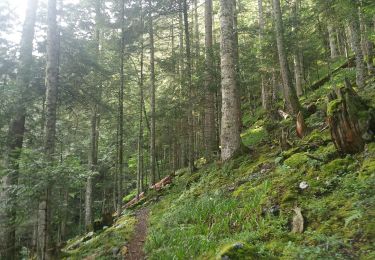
{"type": "Point", "coordinates": [187, 129]}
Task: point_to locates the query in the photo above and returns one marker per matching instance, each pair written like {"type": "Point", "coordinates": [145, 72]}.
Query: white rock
{"type": "Point", "coordinates": [303, 185]}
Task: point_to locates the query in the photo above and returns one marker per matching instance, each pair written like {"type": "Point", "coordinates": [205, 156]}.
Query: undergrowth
{"type": "Point", "coordinates": [247, 203]}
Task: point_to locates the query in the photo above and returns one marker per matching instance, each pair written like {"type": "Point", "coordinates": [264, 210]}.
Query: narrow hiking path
{"type": "Point", "coordinates": [135, 246]}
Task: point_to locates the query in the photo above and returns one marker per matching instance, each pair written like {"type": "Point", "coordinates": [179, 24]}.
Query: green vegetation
{"type": "Point", "coordinates": [102, 245]}
{"type": "Point", "coordinates": [218, 209]}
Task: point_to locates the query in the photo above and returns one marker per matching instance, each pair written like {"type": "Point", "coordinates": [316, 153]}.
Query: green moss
{"type": "Point", "coordinates": [254, 135]}
{"type": "Point", "coordinates": [317, 136]}
{"type": "Point", "coordinates": [101, 244]}
{"type": "Point", "coordinates": [290, 152]}
{"type": "Point", "coordinates": [333, 106]}
{"type": "Point", "coordinates": [296, 160]}
{"type": "Point", "coordinates": [326, 153]}
{"type": "Point", "coordinates": [338, 166]}
{"type": "Point", "coordinates": [368, 167]}
{"type": "Point", "coordinates": [237, 250]}
{"type": "Point", "coordinates": [289, 197]}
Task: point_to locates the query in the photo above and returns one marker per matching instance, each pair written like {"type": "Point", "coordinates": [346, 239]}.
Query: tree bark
{"type": "Point", "coordinates": [140, 183]}
{"type": "Point", "coordinates": [190, 90]}
{"type": "Point", "coordinates": [292, 103]}
{"type": "Point", "coordinates": [230, 124]}
{"type": "Point", "coordinates": [121, 113]}
{"type": "Point", "coordinates": [332, 41]}
{"type": "Point", "coordinates": [343, 115]}
{"type": "Point", "coordinates": [152, 79]}
{"type": "Point", "coordinates": [209, 115]}
{"type": "Point", "coordinates": [297, 50]}
{"type": "Point", "coordinates": [8, 197]}
{"type": "Point", "coordinates": [94, 133]}
{"type": "Point", "coordinates": [44, 220]}
{"type": "Point", "coordinates": [356, 45]}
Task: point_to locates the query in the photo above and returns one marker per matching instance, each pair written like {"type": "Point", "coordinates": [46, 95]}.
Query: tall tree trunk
{"type": "Point", "coordinates": [297, 51]}
{"type": "Point", "coordinates": [209, 116]}
{"type": "Point", "coordinates": [92, 166]}
{"type": "Point", "coordinates": [152, 79]}
{"type": "Point", "coordinates": [14, 141]}
{"type": "Point", "coordinates": [332, 41]}
{"type": "Point", "coordinates": [64, 214]}
{"type": "Point", "coordinates": [190, 86]}
{"type": "Point", "coordinates": [94, 133]}
{"type": "Point", "coordinates": [292, 103]}
{"type": "Point", "coordinates": [121, 112]}
{"type": "Point", "coordinates": [230, 124]}
{"type": "Point", "coordinates": [356, 45]}
{"type": "Point", "coordinates": [44, 220]}
{"type": "Point", "coordinates": [265, 87]}
{"type": "Point", "coordinates": [196, 33]}
{"type": "Point", "coordinates": [236, 55]}
{"type": "Point", "coordinates": [140, 184]}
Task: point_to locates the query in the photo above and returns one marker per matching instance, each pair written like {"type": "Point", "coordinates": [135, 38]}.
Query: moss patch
{"type": "Point", "coordinates": [238, 251]}
{"type": "Point", "coordinates": [333, 106]}
{"type": "Point", "coordinates": [101, 245]}
{"type": "Point", "coordinates": [254, 135]}
{"type": "Point", "coordinates": [297, 160]}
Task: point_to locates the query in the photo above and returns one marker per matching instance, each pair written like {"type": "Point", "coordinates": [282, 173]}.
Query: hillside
{"type": "Point", "coordinates": [245, 208]}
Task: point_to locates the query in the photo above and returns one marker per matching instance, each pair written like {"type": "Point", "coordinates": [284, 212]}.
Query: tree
{"type": "Point", "coordinates": [266, 89]}
{"type": "Point", "coordinates": [52, 70]}
{"type": "Point", "coordinates": [356, 44]}
{"type": "Point", "coordinates": [230, 124]}
{"type": "Point", "coordinates": [297, 57]}
{"type": "Point", "coordinates": [152, 81]}
{"type": "Point", "coordinates": [8, 197]}
{"type": "Point", "coordinates": [189, 86]}
{"type": "Point", "coordinates": [209, 115]}
{"type": "Point", "coordinates": [290, 95]}
{"type": "Point", "coordinates": [332, 41]}
{"type": "Point", "coordinates": [94, 133]}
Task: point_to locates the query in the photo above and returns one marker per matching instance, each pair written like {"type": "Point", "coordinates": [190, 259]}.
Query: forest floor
{"type": "Point", "coordinates": [135, 246]}
{"type": "Point", "coordinates": [244, 209]}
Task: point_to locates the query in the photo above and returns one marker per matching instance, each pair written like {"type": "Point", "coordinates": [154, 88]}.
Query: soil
{"type": "Point", "coordinates": [135, 246]}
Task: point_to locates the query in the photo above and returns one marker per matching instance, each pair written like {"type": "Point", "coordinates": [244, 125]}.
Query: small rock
{"type": "Point", "coordinates": [124, 250]}
{"type": "Point", "coordinates": [115, 251]}
{"type": "Point", "coordinates": [231, 188]}
{"type": "Point", "coordinates": [298, 221]}
{"type": "Point", "coordinates": [237, 245]}
{"type": "Point", "coordinates": [274, 210]}
{"type": "Point", "coordinates": [303, 185]}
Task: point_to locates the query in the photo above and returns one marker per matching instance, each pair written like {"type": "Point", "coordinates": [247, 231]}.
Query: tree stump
{"type": "Point", "coordinates": [349, 119]}
{"type": "Point", "coordinates": [301, 128]}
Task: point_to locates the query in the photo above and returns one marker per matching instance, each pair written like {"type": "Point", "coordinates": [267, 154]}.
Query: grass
{"type": "Point", "coordinates": [207, 214]}
{"type": "Point", "coordinates": [199, 220]}
{"type": "Point", "coordinates": [243, 209]}
{"type": "Point", "coordinates": [101, 244]}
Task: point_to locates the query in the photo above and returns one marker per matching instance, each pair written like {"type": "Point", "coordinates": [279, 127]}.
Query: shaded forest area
{"type": "Point", "coordinates": [176, 129]}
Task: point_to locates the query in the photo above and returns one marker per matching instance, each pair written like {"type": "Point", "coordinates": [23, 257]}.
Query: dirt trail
{"type": "Point", "coordinates": [135, 246]}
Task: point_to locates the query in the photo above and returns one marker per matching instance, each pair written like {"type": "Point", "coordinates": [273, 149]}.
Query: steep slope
{"type": "Point", "coordinates": [246, 208]}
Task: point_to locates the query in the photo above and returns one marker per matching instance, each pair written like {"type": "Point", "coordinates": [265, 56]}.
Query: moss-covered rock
{"type": "Point", "coordinates": [238, 250]}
